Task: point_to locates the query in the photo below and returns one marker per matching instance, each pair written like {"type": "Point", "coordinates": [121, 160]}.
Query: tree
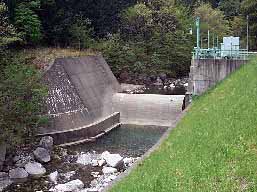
{"type": "Point", "coordinates": [8, 33]}
{"type": "Point", "coordinates": [27, 21]}
{"type": "Point", "coordinates": [249, 8]}
{"type": "Point", "coordinates": [137, 23]}
{"type": "Point", "coordinates": [231, 8]}
{"type": "Point", "coordinates": [213, 20]}
{"type": "Point", "coordinates": [154, 38]}
{"type": "Point", "coordinates": [80, 32]}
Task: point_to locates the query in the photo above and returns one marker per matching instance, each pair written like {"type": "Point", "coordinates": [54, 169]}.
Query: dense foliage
{"type": "Point", "coordinates": [154, 39]}
{"type": "Point", "coordinates": [20, 101]}
{"type": "Point", "coordinates": [8, 33]}
{"type": "Point", "coordinates": [20, 91]}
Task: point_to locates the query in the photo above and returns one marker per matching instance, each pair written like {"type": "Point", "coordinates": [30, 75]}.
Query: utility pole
{"type": "Point", "coordinates": [247, 40]}
{"type": "Point", "coordinates": [197, 23]}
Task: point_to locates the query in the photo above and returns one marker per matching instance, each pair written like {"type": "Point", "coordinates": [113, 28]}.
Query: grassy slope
{"type": "Point", "coordinates": [214, 148]}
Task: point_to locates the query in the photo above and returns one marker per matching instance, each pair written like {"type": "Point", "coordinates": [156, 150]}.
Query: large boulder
{"type": "Point", "coordinates": [23, 159]}
{"type": "Point", "coordinates": [109, 170]}
{"type": "Point", "coordinates": [72, 186]}
{"type": "Point", "coordinates": [53, 177]}
{"type": "Point", "coordinates": [47, 142]}
{"type": "Point", "coordinates": [112, 160]}
{"type": "Point", "coordinates": [42, 155]}
{"type": "Point", "coordinates": [128, 161]}
{"type": "Point", "coordinates": [35, 169]}
{"type": "Point", "coordinates": [2, 155]}
{"type": "Point", "coordinates": [84, 159]}
{"type": "Point", "coordinates": [18, 174]}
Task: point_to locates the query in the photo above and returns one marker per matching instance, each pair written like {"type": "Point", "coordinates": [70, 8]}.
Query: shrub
{"type": "Point", "coordinates": [21, 96]}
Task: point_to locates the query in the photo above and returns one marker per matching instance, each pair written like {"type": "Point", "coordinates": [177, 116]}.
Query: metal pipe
{"type": "Point", "coordinates": [213, 40]}
{"type": "Point", "coordinates": [208, 39]}
{"type": "Point", "coordinates": [217, 41]}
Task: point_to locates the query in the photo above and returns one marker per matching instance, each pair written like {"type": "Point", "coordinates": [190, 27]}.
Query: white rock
{"type": "Point", "coordinates": [84, 190]}
{"type": "Point", "coordinates": [84, 159]}
{"type": "Point", "coordinates": [72, 186]}
{"type": "Point", "coordinates": [127, 160]}
{"type": "Point", "coordinates": [107, 180]}
{"type": "Point", "coordinates": [18, 173]}
{"type": "Point", "coordinates": [101, 162]}
{"type": "Point", "coordinates": [172, 85]}
{"type": "Point", "coordinates": [109, 170]}
{"type": "Point", "coordinates": [112, 177]}
{"type": "Point", "coordinates": [94, 189]}
{"type": "Point", "coordinates": [113, 160]}
{"type": "Point", "coordinates": [53, 177]}
{"type": "Point", "coordinates": [95, 174]}
{"type": "Point", "coordinates": [47, 142]}
{"type": "Point", "coordinates": [35, 169]}
{"type": "Point", "coordinates": [42, 155]}
{"type": "Point", "coordinates": [105, 154]}
{"type": "Point", "coordinates": [68, 175]}
{"type": "Point", "coordinates": [94, 163]}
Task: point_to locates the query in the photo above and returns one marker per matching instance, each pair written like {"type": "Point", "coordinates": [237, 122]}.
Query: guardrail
{"type": "Point", "coordinates": [240, 54]}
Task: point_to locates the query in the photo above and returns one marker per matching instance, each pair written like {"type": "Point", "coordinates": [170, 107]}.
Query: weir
{"type": "Point", "coordinates": [85, 102]}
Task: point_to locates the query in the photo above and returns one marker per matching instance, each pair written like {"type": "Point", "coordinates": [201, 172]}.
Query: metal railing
{"type": "Point", "coordinates": [215, 53]}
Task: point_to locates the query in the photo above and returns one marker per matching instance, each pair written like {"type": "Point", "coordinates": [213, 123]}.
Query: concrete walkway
{"type": "Point", "coordinates": [148, 109]}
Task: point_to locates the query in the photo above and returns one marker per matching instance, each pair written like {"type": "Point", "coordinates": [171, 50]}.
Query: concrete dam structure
{"type": "Point", "coordinates": [84, 102]}
{"type": "Point", "coordinates": [206, 73]}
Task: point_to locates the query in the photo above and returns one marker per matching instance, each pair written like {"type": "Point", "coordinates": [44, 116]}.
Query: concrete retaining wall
{"type": "Point", "coordinates": [205, 73]}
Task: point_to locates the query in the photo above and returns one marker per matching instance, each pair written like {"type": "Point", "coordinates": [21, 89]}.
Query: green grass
{"type": "Point", "coordinates": [213, 148]}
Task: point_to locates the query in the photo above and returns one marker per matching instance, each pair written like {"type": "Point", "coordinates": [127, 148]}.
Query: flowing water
{"type": "Point", "coordinates": [127, 140]}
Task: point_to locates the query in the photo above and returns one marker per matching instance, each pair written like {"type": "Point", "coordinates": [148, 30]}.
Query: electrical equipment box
{"type": "Point", "coordinates": [230, 47]}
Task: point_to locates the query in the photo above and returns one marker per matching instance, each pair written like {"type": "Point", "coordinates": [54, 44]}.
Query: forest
{"type": "Point", "coordinates": [137, 36]}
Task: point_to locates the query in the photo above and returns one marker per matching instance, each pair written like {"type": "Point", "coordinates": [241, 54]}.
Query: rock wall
{"type": "Point", "coordinates": [205, 73]}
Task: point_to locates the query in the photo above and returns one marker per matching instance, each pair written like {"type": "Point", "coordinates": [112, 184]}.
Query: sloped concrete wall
{"type": "Point", "coordinates": [205, 73]}
{"type": "Point", "coordinates": [79, 91]}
